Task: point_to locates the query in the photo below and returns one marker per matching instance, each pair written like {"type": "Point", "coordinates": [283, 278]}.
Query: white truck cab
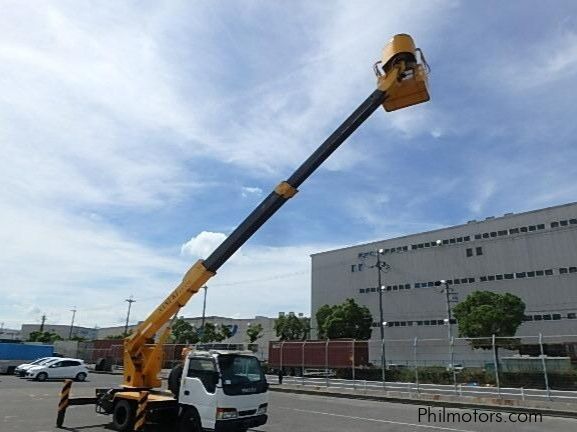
{"type": "Point", "coordinates": [223, 391]}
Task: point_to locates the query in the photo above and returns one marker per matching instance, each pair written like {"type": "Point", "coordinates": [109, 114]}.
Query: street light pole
{"type": "Point", "coordinates": [130, 301]}
{"type": "Point", "coordinates": [203, 309]}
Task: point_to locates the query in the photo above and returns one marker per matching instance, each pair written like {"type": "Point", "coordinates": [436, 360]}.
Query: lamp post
{"type": "Point", "coordinates": [381, 266]}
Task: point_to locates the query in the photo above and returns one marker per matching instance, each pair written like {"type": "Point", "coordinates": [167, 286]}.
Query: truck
{"type": "Point", "coordinates": [224, 390]}
{"type": "Point", "coordinates": [15, 354]}
{"type": "Point", "coordinates": [297, 357]}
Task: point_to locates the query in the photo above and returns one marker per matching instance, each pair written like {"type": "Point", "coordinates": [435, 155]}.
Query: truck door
{"type": "Point", "coordinates": [199, 388]}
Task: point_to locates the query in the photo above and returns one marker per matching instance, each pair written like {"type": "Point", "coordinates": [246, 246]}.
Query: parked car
{"type": "Point", "coordinates": [21, 369]}
{"type": "Point", "coordinates": [61, 368]}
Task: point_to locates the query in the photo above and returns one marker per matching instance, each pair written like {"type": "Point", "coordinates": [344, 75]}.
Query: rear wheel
{"type": "Point", "coordinates": [42, 376]}
{"type": "Point", "coordinates": [123, 416]}
{"type": "Point", "coordinates": [188, 421]}
{"type": "Point", "coordinates": [80, 376]}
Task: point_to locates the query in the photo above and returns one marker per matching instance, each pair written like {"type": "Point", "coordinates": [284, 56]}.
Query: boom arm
{"type": "Point", "coordinates": [401, 83]}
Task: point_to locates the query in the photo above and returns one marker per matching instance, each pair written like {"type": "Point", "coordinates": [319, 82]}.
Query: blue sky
{"type": "Point", "coordinates": [134, 136]}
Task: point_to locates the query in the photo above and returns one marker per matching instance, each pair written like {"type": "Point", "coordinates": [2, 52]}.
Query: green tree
{"type": "Point", "coordinates": [183, 332]}
{"type": "Point", "coordinates": [44, 337]}
{"type": "Point", "coordinates": [323, 313]}
{"type": "Point", "coordinates": [254, 332]}
{"type": "Point", "coordinates": [485, 313]}
{"type": "Point", "coordinates": [214, 333]}
{"type": "Point", "coordinates": [347, 320]}
{"type": "Point", "coordinates": [291, 328]}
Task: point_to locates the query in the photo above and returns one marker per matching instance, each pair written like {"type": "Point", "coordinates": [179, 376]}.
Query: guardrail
{"type": "Point", "coordinates": [414, 389]}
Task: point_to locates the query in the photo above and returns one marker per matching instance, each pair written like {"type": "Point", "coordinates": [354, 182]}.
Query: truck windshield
{"type": "Point", "coordinates": [241, 374]}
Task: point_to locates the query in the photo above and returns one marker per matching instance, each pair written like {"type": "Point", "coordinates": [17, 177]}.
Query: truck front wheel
{"type": "Point", "coordinates": [189, 421]}
{"type": "Point", "coordinates": [123, 416]}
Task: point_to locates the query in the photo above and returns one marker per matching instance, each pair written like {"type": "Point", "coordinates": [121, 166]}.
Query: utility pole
{"type": "Point", "coordinates": [449, 320]}
{"type": "Point", "coordinates": [381, 265]}
{"type": "Point", "coordinates": [203, 310]}
{"type": "Point", "coordinates": [42, 323]}
{"type": "Point", "coordinates": [130, 300]}
{"type": "Point", "coordinates": [72, 322]}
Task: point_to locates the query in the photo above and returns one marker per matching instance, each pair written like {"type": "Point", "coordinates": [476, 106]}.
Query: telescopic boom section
{"type": "Point", "coordinates": [401, 82]}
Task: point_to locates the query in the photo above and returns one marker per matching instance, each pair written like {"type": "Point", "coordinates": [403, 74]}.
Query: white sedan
{"type": "Point", "coordinates": [63, 368]}
{"type": "Point", "coordinates": [21, 369]}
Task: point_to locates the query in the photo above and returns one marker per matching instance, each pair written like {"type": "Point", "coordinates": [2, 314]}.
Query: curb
{"type": "Point", "coordinates": [425, 402]}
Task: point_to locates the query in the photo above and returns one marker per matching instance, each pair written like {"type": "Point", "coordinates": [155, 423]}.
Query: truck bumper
{"type": "Point", "coordinates": [241, 423]}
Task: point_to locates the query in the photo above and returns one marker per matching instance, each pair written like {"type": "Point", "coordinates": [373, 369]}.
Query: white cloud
{"type": "Point", "coordinates": [251, 191]}
{"type": "Point", "coordinates": [203, 244]}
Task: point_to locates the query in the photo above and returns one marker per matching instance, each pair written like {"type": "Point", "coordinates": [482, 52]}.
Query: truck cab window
{"type": "Point", "coordinates": [205, 370]}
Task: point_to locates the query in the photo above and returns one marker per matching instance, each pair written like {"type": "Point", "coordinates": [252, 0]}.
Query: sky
{"type": "Point", "coordinates": [135, 135]}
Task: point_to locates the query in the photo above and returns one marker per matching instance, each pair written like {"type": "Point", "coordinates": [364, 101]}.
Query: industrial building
{"type": "Point", "coordinates": [532, 255]}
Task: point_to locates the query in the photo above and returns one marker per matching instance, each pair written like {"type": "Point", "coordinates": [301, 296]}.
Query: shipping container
{"type": "Point", "coordinates": [14, 354]}
{"type": "Point", "coordinates": [318, 354]}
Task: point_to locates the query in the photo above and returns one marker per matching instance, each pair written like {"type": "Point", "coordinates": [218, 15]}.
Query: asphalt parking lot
{"type": "Point", "coordinates": [28, 406]}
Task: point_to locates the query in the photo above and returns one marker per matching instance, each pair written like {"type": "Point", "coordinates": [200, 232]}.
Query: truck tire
{"type": "Point", "coordinates": [174, 380]}
{"type": "Point", "coordinates": [189, 420]}
{"type": "Point", "coordinates": [123, 416]}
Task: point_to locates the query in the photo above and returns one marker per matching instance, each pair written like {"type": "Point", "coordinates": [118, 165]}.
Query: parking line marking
{"type": "Point", "coordinates": [381, 421]}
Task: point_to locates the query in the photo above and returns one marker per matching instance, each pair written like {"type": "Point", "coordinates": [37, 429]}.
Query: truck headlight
{"type": "Point", "coordinates": [262, 409]}
{"type": "Point", "coordinates": [226, 413]}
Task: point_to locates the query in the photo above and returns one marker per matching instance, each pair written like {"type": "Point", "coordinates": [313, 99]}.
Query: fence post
{"type": "Point", "coordinates": [327, 362]}
{"type": "Point", "coordinates": [353, 364]}
{"type": "Point", "coordinates": [64, 401]}
{"type": "Point", "coordinates": [544, 364]}
{"type": "Point", "coordinates": [452, 348]}
{"type": "Point", "coordinates": [496, 363]}
{"type": "Point", "coordinates": [415, 363]}
{"type": "Point", "coordinates": [383, 364]}
{"type": "Point", "coordinates": [303, 363]}
{"type": "Point", "coordinates": [281, 373]}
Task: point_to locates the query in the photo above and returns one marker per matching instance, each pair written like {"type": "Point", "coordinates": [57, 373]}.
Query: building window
{"type": "Point", "coordinates": [499, 277]}
{"type": "Point", "coordinates": [452, 241]}
{"type": "Point", "coordinates": [571, 315]}
{"type": "Point", "coordinates": [466, 238]}
{"type": "Point", "coordinates": [548, 272]}
{"type": "Point", "coordinates": [541, 226]}
{"type": "Point", "coordinates": [427, 244]}
{"type": "Point", "coordinates": [502, 233]}
{"type": "Point", "coordinates": [491, 278]}
{"type": "Point", "coordinates": [527, 318]}
{"type": "Point", "coordinates": [520, 275]}
{"type": "Point", "coordinates": [469, 252]}
{"type": "Point", "coordinates": [362, 290]}
{"type": "Point", "coordinates": [532, 228]}
{"type": "Point", "coordinates": [547, 317]}
{"type": "Point", "coordinates": [530, 274]}
{"type": "Point", "coordinates": [483, 278]}
{"type": "Point", "coordinates": [431, 284]}
{"type": "Point", "coordinates": [353, 267]}
{"type": "Point", "coordinates": [405, 248]}
{"type": "Point", "coordinates": [477, 236]}
{"type": "Point", "coordinates": [459, 239]}
{"type": "Point", "coordinates": [556, 317]}
{"type": "Point", "coordinates": [457, 281]}
{"type": "Point", "coordinates": [395, 288]}
{"type": "Point", "coordinates": [508, 275]}
{"type": "Point", "coordinates": [563, 223]}
{"type": "Point", "coordinates": [420, 245]}
{"type": "Point", "coordinates": [464, 280]}
{"type": "Point", "coordinates": [563, 270]}
{"type": "Point", "coordinates": [537, 317]}
{"type": "Point", "coordinates": [479, 250]}
{"type": "Point", "coordinates": [539, 272]}
{"type": "Point", "coordinates": [493, 234]}
{"type": "Point", "coordinates": [523, 229]}
{"type": "Point", "coordinates": [572, 269]}
{"type": "Point", "coordinates": [514, 231]}
{"type": "Point", "coordinates": [471, 280]}
{"type": "Point", "coordinates": [554, 224]}
{"type": "Point", "coordinates": [360, 266]}
{"type": "Point", "coordinates": [485, 235]}
{"type": "Point", "coordinates": [407, 286]}
{"type": "Point", "coordinates": [413, 247]}
{"type": "Point", "coordinates": [446, 242]}
{"type": "Point", "coordinates": [417, 285]}
{"type": "Point", "coordinates": [573, 221]}
{"type": "Point", "coordinates": [373, 289]}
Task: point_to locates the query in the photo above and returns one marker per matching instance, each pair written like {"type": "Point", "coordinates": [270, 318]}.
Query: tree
{"type": "Point", "coordinates": [347, 320]}
{"type": "Point", "coordinates": [44, 337]}
{"type": "Point", "coordinates": [214, 333]}
{"type": "Point", "coordinates": [323, 313]}
{"type": "Point", "coordinates": [254, 332]}
{"type": "Point", "coordinates": [484, 314]}
{"type": "Point", "coordinates": [291, 328]}
{"type": "Point", "coordinates": [183, 332]}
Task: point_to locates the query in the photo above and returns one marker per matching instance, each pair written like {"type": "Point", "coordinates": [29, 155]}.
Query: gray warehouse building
{"type": "Point", "coordinates": [532, 255]}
